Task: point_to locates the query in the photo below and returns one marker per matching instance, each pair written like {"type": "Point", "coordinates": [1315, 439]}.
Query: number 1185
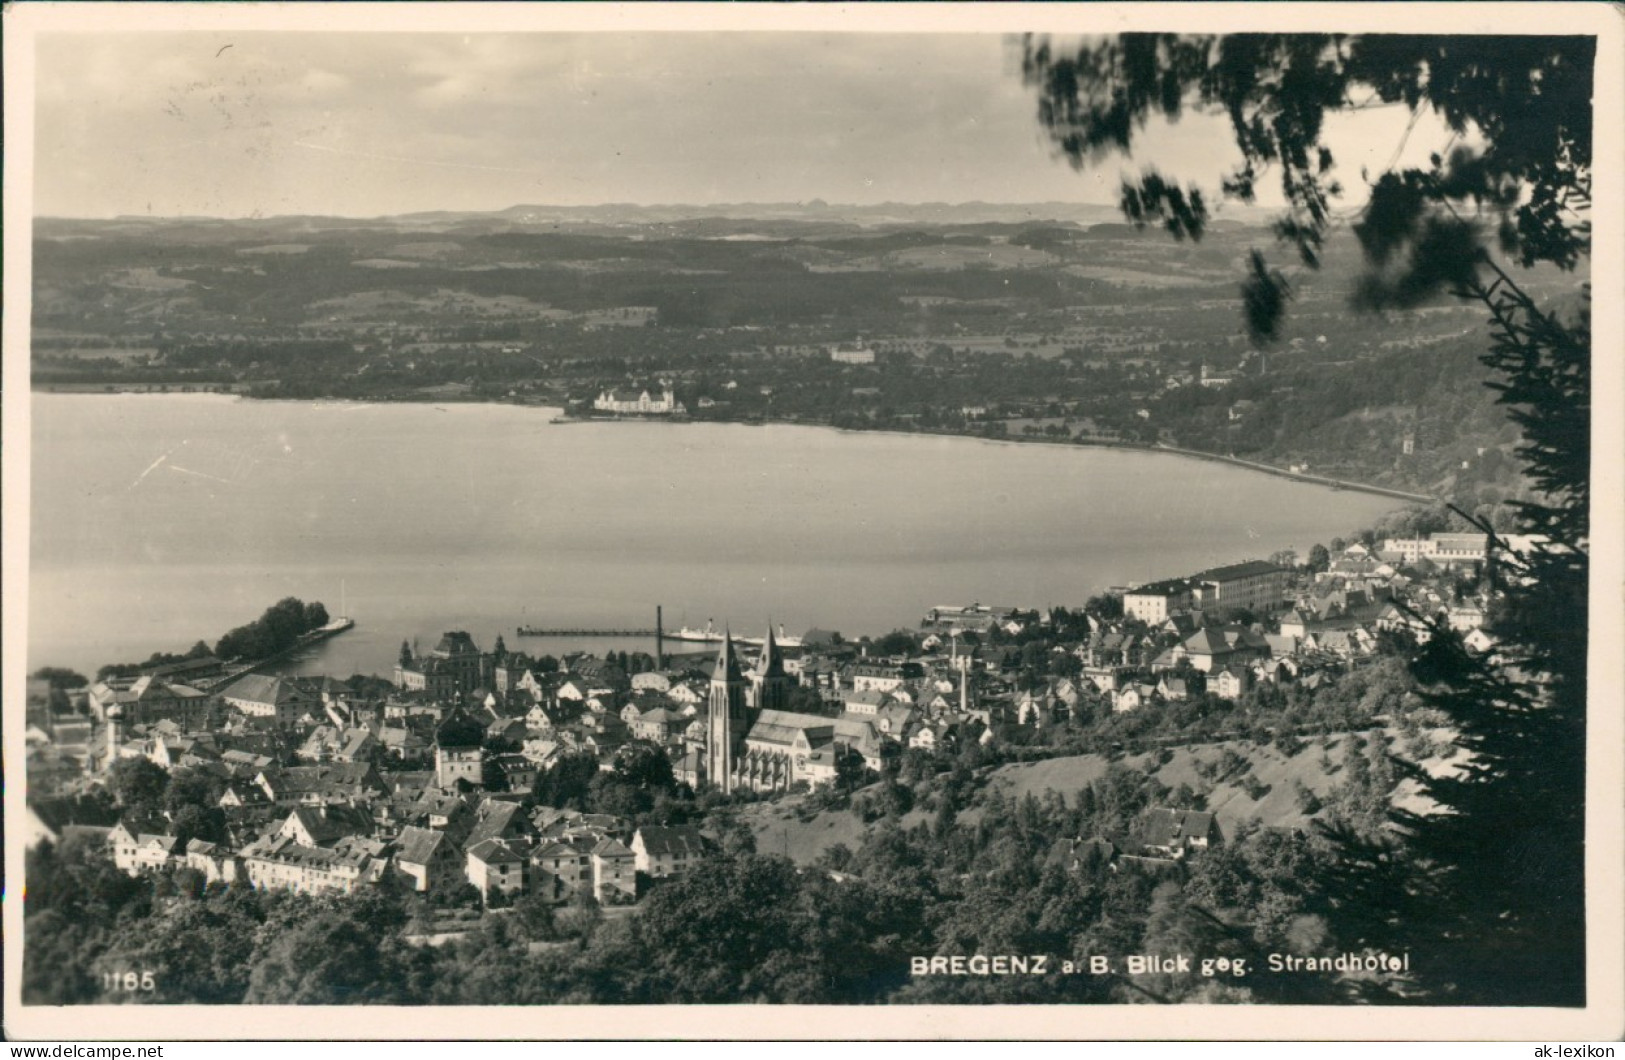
{"type": "Point", "coordinates": [129, 982]}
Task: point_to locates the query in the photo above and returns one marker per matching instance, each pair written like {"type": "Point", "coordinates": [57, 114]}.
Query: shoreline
{"type": "Point", "coordinates": [1349, 485]}
{"type": "Point", "coordinates": [562, 417]}
{"type": "Point", "coordinates": [307, 640]}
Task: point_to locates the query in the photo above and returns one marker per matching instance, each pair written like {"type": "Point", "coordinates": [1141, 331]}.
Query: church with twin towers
{"type": "Point", "coordinates": [754, 744]}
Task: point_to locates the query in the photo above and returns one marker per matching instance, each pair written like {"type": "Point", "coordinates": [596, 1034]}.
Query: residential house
{"type": "Point", "coordinates": [944, 733]}
{"type": "Point", "coordinates": [170, 752]}
{"type": "Point", "coordinates": [146, 700]}
{"type": "Point", "coordinates": [135, 850]}
{"type": "Point", "coordinates": [243, 793]}
{"type": "Point", "coordinates": [923, 737]}
{"type": "Point", "coordinates": [651, 681]}
{"type": "Point", "coordinates": [539, 750]}
{"type": "Point", "coordinates": [672, 850]}
{"type": "Point", "coordinates": [573, 688]}
{"type": "Point", "coordinates": [541, 720]}
{"type": "Point", "coordinates": [401, 743]}
{"type": "Point", "coordinates": [560, 868]}
{"type": "Point", "coordinates": [499, 819]}
{"type": "Point", "coordinates": [494, 866]}
{"type": "Point", "coordinates": [1214, 649]}
{"type": "Point", "coordinates": [1133, 697]}
{"type": "Point", "coordinates": [893, 719]}
{"type": "Point", "coordinates": [1393, 618]}
{"type": "Point", "coordinates": [690, 768]}
{"type": "Point", "coordinates": [884, 677]}
{"type": "Point", "coordinates": [511, 729]}
{"type": "Point", "coordinates": [438, 809]}
{"type": "Point", "coordinates": [325, 825]}
{"type": "Point", "coordinates": [281, 700]}
{"type": "Point", "coordinates": [518, 770]}
{"type": "Point", "coordinates": [1281, 645]}
{"type": "Point", "coordinates": [278, 862]}
{"type": "Point", "coordinates": [1344, 643]}
{"type": "Point", "coordinates": [330, 743]}
{"type": "Point", "coordinates": [428, 858]}
{"type": "Point", "coordinates": [1231, 683]}
{"type": "Point", "coordinates": [865, 701]}
{"type": "Point", "coordinates": [154, 851]}
{"type": "Point", "coordinates": [687, 695]}
{"type": "Point", "coordinates": [1175, 833]}
{"type": "Point", "coordinates": [658, 724]}
{"type": "Point", "coordinates": [1173, 689]}
{"type": "Point", "coordinates": [614, 872]}
{"type": "Point", "coordinates": [314, 785]}
{"type": "Point", "coordinates": [1295, 624]}
{"type": "Point", "coordinates": [215, 862]}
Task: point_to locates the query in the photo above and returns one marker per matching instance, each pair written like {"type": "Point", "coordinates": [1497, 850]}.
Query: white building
{"type": "Point", "coordinates": [1440, 548]}
{"type": "Point", "coordinates": [1154, 603]}
{"type": "Point", "coordinates": [638, 402]}
{"type": "Point", "coordinates": [667, 851]}
{"type": "Point", "coordinates": [280, 863]}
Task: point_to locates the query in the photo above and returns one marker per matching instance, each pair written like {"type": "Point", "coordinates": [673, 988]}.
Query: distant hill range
{"type": "Point", "coordinates": [689, 215]}
{"type": "Point", "coordinates": [886, 213]}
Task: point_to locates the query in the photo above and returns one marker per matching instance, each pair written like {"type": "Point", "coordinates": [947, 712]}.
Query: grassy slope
{"type": "Point", "coordinates": [778, 831]}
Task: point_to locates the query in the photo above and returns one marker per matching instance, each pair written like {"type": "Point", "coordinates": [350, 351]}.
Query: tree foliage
{"type": "Point", "coordinates": [139, 785]}
{"type": "Point", "coordinates": [60, 677]}
{"type": "Point", "coordinates": [564, 783]}
{"type": "Point", "coordinates": [1492, 887]}
{"type": "Point", "coordinates": [277, 630]}
{"type": "Point", "coordinates": [1519, 109]}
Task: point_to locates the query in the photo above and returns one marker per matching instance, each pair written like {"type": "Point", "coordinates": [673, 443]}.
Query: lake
{"type": "Point", "coordinates": [159, 520]}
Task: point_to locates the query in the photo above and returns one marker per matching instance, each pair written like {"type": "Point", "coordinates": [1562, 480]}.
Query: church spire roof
{"type": "Point", "coordinates": [771, 664]}
{"type": "Point", "coordinates": [727, 668]}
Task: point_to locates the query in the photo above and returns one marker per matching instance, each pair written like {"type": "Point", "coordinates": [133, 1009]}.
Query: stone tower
{"type": "Point", "coordinates": [769, 684]}
{"type": "Point", "coordinates": [727, 723]}
{"type": "Point", "coordinates": [458, 751]}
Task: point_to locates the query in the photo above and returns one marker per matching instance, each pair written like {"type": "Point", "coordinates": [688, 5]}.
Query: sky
{"type": "Point", "coordinates": [242, 124]}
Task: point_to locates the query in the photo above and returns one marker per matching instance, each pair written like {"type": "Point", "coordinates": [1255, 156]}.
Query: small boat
{"type": "Point", "coordinates": [711, 635]}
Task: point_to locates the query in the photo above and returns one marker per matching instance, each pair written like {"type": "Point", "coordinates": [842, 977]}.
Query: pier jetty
{"type": "Point", "coordinates": [536, 631]}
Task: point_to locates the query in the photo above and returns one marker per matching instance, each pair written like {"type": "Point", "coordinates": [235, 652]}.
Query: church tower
{"type": "Point", "coordinates": [727, 724]}
{"type": "Point", "coordinates": [769, 684]}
